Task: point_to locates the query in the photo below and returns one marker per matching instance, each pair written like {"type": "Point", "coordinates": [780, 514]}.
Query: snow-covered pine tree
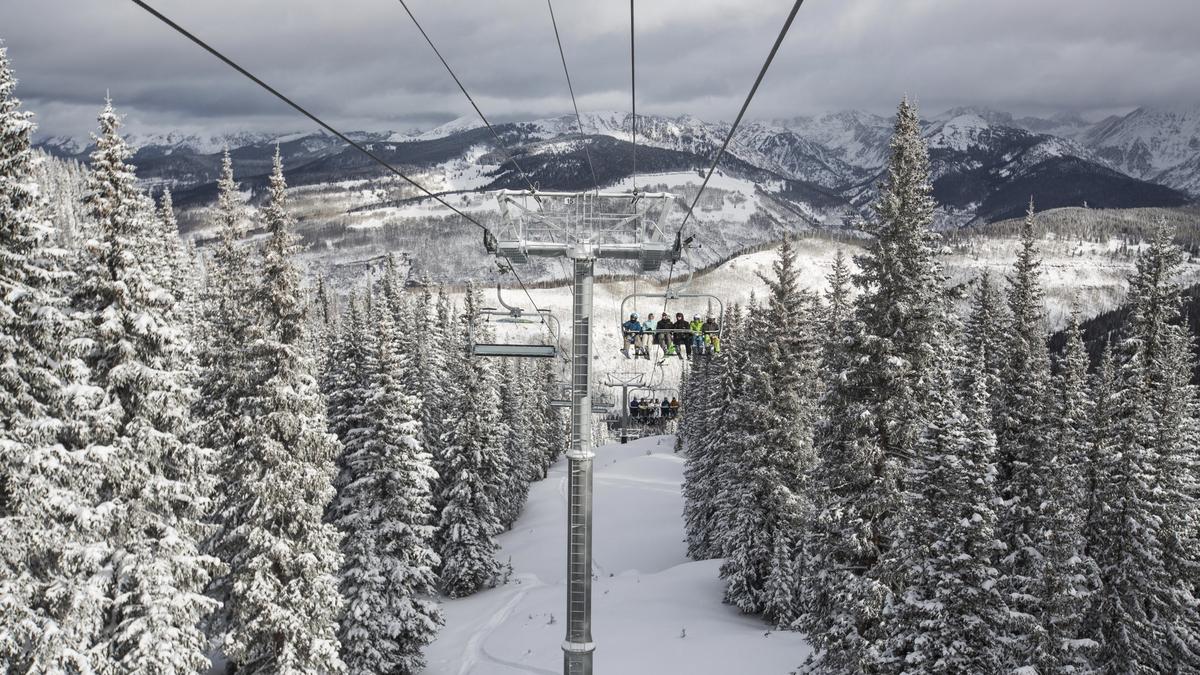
{"type": "Point", "coordinates": [838, 305]}
{"type": "Point", "coordinates": [426, 359]}
{"type": "Point", "coordinates": [836, 311]}
{"type": "Point", "coordinates": [344, 382]}
{"type": "Point", "coordinates": [516, 446]}
{"type": "Point", "coordinates": [552, 428]}
{"type": "Point", "coordinates": [702, 431]}
{"type": "Point", "coordinates": [1145, 615]}
{"type": "Point", "coordinates": [1023, 455]}
{"type": "Point", "coordinates": [1102, 387]}
{"type": "Point", "coordinates": [473, 431]}
{"type": "Point", "coordinates": [50, 603]}
{"type": "Point", "coordinates": [384, 509]}
{"type": "Point", "coordinates": [740, 531]}
{"type": "Point", "coordinates": [156, 482]}
{"type": "Point", "coordinates": [950, 616]}
{"type": "Point", "coordinates": [439, 394]}
{"type": "Point", "coordinates": [985, 336]}
{"type": "Point", "coordinates": [226, 326]}
{"type": "Point", "coordinates": [729, 385]}
{"type": "Point", "coordinates": [1068, 575]}
{"type": "Point", "coordinates": [898, 337]}
{"type": "Point", "coordinates": [283, 601]}
{"type": "Point", "coordinates": [168, 261]}
{"type": "Point", "coordinates": [324, 324]}
{"type": "Point", "coordinates": [781, 384]}
{"type": "Point", "coordinates": [698, 436]}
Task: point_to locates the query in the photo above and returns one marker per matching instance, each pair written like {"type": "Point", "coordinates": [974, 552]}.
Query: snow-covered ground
{"type": "Point", "coordinates": [654, 611]}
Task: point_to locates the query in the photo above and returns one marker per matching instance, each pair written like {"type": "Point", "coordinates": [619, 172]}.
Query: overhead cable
{"type": "Point", "coordinates": [787, 25]}
{"type": "Point", "coordinates": [578, 119]}
{"type": "Point", "coordinates": [499, 143]}
{"type": "Point", "coordinates": [324, 125]}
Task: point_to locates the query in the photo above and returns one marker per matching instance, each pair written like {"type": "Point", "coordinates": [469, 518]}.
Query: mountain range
{"type": "Point", "coordinates": [987, 164]}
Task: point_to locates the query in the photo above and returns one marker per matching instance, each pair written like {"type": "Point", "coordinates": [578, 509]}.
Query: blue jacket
{"type": "Point", "coordinates": [632, 326]}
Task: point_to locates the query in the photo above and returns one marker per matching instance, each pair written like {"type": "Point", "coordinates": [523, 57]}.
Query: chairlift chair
{"type": "Point", "coordinates": [680, 295]}
{"type": "Point", "coordinates": [679, 292]}
{"type": "Point", "coordinates": [600, 404]}
{"type": "Point", "coordinates": [511, 314]}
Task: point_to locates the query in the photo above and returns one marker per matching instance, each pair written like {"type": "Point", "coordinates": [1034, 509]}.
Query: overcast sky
{"type": "Point", "coordinates": [362, 65]}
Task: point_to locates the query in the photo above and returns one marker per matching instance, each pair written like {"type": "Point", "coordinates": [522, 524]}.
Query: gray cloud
{"type": "Point", "coordinates": [362, 65]}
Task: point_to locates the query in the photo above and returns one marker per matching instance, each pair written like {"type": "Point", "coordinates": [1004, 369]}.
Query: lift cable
{"type": "Point", "coordinates": [633, 121]}
{"type": "Point", "coordinates": [578, 119]}
{"type": "Point", "coordinates": [500, 144]}
{"type": "Point", "coordinates": [733, 129]}
{"type": "Point", "coordinates": [633, 96]}
{"type": "Point", "coordinates": [357, 146]}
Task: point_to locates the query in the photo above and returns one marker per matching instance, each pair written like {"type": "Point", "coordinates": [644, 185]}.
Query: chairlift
{"type": "Point", "coordinates": [680, 295]}
{"type": "Point", "coordinates": [679, 292]}
{"type": "Point", "coordinates": [511, 314]}
{"type": "Point", "coordinates": [600, 405]}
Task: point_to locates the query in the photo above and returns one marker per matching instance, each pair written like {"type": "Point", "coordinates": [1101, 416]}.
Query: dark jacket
{"type": "Point", "coordinates": [710, 326]}
{"type": "Point", "coordinates": [663, 324]}
{"type": "Point", "coordinates": [685, 329]}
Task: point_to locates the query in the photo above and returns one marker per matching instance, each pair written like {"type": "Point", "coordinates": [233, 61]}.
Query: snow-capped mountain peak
{"type": "Point", "coordinates": [1148, 141]}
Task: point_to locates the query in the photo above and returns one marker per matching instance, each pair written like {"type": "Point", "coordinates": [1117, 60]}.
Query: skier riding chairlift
{"type": "Point", "coordinates": [633, 335]}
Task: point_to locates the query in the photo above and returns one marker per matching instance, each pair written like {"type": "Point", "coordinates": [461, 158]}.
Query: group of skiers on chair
{"type": "Point", "coordinates": [649, 410]}
{"type": "Point", "coordinates": [674, 338]}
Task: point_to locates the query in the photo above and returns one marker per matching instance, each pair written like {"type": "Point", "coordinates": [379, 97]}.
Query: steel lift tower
{"type": "Point", "coordinates": [583, 227]}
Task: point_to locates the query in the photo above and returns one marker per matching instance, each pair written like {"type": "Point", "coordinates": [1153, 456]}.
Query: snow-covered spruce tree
{"type": "Point", "coordinates": [985, 336]}
{"type": "Point", "coordinates": [701, 435]}
{"type": "Point", "coordinates": [50, 604]}
{"type": "Point", "coordinates": [507, 496]}
{"type": "Point", "coordinates": [283, 602]}
{"type": "Point", "coordinates": [1033, 515]}
{"type": "Point", "coordinates": [762, 566]}
{"type": "Point", "coordinates": [898, 338]}
{"type": "Point", "coordinates": [428, 338]}
{"type": "Point", "coordinates": [702, 430]}
{"type": "Point", "coordinates": [552, 430]}
{"type": "Point", "coordinates": [227, 326]}
{"type": "Point", "coordinates": [439, 391]}
{"type": "Point", "coordinates": [156, 482]}
{"type": "Point", "coordinates": [1145, 615]}
{"type": "Point", "coordinates": [729, 382]}
{"type": "Point", "coordinates": [324, 324]}
{"type": "Point", "coordinates": [344, 382]}
{"type": "Point", "coordinates": [1102, 388]}
{"type": "Point", "coordinates": [169, 263]}
{"type": "Point", "coordinates": [950, 616]}
{"type": "Point", "coordinates": [836, 311]}
{"type": "Point", "coordinates": [517, 443]}
{"type": "Point", "coordinates": [383, 510]}
{"type": "Point", "coordinates": [471, 442]}
{"type": "Point", "coordinates": [1068, 574]}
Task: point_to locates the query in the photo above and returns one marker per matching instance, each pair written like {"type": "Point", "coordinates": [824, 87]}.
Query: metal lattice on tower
{"type": "Point", "coordinates": [618, 225]}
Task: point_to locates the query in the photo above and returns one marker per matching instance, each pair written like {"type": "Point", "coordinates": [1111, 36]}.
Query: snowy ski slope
{"type": "Point", "coordinates": [654, 611]}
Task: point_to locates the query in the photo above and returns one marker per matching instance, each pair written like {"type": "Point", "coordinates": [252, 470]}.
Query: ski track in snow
{"type": "Point", "coordinates": [654, 611]}
{"type": "Point", "coordinates": [476, 645]}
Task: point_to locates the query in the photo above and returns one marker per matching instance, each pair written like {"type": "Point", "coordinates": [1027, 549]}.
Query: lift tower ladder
{"type": "Point", "coordinates": [582, 227]}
